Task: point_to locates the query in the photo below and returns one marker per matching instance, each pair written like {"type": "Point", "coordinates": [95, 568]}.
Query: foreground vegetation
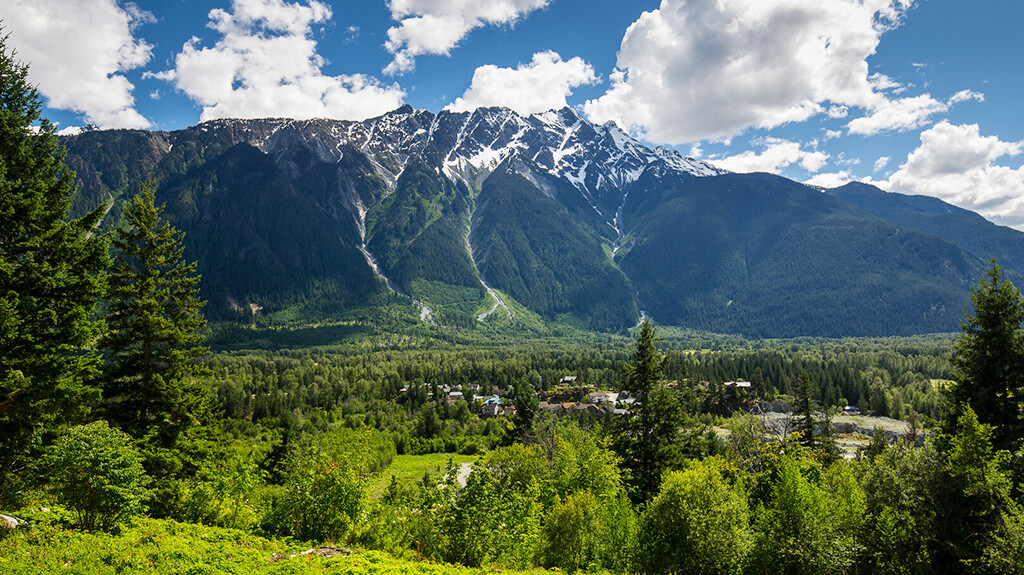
{"type": "Point", "coordinates": [168, 547]}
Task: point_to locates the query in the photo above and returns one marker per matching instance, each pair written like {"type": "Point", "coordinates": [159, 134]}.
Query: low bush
{"type": "Point", "coordinates": [97, 472]}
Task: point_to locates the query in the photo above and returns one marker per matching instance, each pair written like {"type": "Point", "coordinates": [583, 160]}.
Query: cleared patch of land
{"type": "Point", "coordinates": [411, 468]}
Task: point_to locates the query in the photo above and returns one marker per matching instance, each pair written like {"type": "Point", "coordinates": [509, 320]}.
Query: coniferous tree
{"type": "Point", "coordinates": [51, 276]}
{"type": "Point", "coordinates": [647, 436]}
{"type": "Point", "coordinates": [154, 336]}
{"type": "Point", "coordinates": [988, 360]}
{"type": "Point", "coordinates": [803, 411]}
{"type": "Point", "coordinates": [526, 402]}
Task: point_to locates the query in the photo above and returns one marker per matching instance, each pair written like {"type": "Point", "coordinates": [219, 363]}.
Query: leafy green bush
{"type": "Point", "coordinates": [698, 523]}
{"type": "Point", "coordinates": [98, 472]}
{"type": "Point", "coordinates": [320, 501]}
{"type": "Point", "coordinates": [572, 533]}
{"type": "Point", "coordinates": [223, 494]}
{"type": "Point", "coordinates": [810, 521]}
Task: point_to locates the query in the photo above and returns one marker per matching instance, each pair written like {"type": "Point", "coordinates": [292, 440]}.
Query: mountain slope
{"type": "Point", "coordinates": [766, 256]}
{"type": "Point", "coordinates": [575, 222]}
{"type": "Point", "coordinates": [934, 216]}
{"type": "Point", "coordinates": [527, 243]}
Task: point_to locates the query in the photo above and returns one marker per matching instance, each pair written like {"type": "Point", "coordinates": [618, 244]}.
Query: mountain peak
{"type": "Point", "coordinates": [403, 110]}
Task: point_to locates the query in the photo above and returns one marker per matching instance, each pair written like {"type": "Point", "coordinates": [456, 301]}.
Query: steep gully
{"type": "Point", "coordinates": [426, 314]}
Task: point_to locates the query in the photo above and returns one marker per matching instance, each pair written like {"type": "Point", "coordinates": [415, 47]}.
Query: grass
{"type": "Point", "coordinates": [165, 547]}
{"type": "Point", "coordinates": [410, 468]}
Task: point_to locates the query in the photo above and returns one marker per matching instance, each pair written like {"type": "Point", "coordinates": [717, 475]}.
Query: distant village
{"type": "Point", "coordinates": [572, 397]}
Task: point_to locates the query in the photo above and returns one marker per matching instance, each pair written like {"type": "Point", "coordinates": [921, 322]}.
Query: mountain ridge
{"type": "Point", "coordinates": [314, 217]}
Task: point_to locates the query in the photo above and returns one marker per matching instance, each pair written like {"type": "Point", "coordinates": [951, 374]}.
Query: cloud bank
{"type": "Point", "coordinates": [543, 84]}
{"type": "Point", "coordinates": [78, 52]}
{"type": "Point", "coordinates": [437, 26]}
{"type": "Point", "coordinates": [266, 65]}
{"type": "Point", "coordinates": [776, 155]}
{"type": "Point", "coordinates": [959, 165]}
{"type": "Point", "coordinates": [703, 69]}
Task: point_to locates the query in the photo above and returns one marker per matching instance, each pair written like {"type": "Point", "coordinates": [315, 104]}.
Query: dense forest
{"type": "Point", "coordinates": [114, 408]}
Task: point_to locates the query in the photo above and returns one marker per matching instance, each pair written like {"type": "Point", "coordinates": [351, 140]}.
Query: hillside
{"type": "Point", "coordinates": [934, 216]}
{"type": "Point", "coordinates": [168, 547]}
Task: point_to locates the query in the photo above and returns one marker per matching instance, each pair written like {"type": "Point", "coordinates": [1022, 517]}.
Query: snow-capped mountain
{"type": "Point", "coordinates": [601, 161]}
{"type": "Point", "coordinates": [474, 215]}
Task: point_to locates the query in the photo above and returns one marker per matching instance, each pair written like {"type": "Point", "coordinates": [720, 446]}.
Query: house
{"type": "Point", "coordinates": [454, 396]}
{"type": "Point", "coordinates": [851, 410]}
{"type": "Point", "coordinates": [568, 379]}
{"type": "Point", "coordinates": [493, 407]}
{"type": "Point", "coordinates": [597, 397]}
{"type": "Point", "coordinates": [736, 386]}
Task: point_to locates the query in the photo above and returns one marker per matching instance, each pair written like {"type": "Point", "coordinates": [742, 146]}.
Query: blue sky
{"type": "Point", "coordinates": [915, 96]}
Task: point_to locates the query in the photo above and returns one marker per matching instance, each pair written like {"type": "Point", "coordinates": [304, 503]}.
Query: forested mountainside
{"type": "Point", "coordinates": [574, 222]}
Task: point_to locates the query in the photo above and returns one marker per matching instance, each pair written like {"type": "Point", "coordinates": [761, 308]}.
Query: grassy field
{"type": "Point", "coordinates": [411, 468]}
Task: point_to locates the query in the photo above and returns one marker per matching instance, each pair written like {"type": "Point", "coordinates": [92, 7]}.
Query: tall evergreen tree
{"type": "Point", "coordinates": [803, 411]}
{"type": "Point", "coordinates": [526, 402]}
{"type": "Point", "coordinates": [988, 360]}
{"type": "Point", "coordinates": [154, 336]}
{"type": "Point", "coordinates": [51, 276]}
{"type": "Point", "coordinates": [647, 437]}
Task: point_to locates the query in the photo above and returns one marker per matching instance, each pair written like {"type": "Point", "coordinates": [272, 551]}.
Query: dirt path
{"type": "Point", "coordinates": [464, 471]}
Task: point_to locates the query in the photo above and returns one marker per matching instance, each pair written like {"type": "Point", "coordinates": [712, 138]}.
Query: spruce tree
{"type": "Point", "coordinates": [988, 360]}
{"type": "Point", "coordinates": [803, 411]}
{"type": "Point", "coordinates": [51, 277]}
{"type": "Point", "coordinates": [647, 438]}
{"type": "Point", "coordinates": [154, 336]}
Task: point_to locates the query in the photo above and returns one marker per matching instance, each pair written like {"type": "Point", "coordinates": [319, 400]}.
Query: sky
{"type": "Point", "coordinates": [914, 96]}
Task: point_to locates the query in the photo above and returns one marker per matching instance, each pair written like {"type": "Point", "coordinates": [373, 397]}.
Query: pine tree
{"type": "Point", "coordinates": [647, 436]}
{"type": "Point", "coordinates": [988, 360]}
{"type": "Point", "coordinates": [51, 277]}
{"type": "Point", "coordinates": [525, 401]}
{"type": "Point", "coordinates": [803, 412]}
{"type": "Point", "coordinates": [154, 336]}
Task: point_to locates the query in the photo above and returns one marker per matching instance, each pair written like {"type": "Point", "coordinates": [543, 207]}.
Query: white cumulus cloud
{"type": "Point", "coordinates": [776, 155]}
{"type": "Point", "coordinates": [266, 65]}
{"type": "Point", "coordinates": [830, 179]}
{"type": "Point", "coordinates": [543, 84]}
{"type": "Point", "coordinates": [881, 163]}
{"type": "Point", "coordinates": [437, 26]}
{"type": "Point", "coordinates": [78, 52]}
{"type": "Point", "coordinates": [899, 114]}
{"type": "Point", "coordinates": [957, 164]}
{"type": "Point", "coordinates": [965, 95]}
{"type": "Point", "coordinates": [907, 113]}
{"type": "Point", "coordinates": [702, 69]}
{"type": "Point", "coordinates": [836, 112]}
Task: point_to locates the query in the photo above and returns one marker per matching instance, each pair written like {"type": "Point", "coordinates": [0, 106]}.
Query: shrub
{"type": "Point", "coordinates": [98, 473]}
{"type": "Point", "coordinates": [320, 500]}
{"type": "Point", "coordinates": [223, 493]}
{"type": "Point", "coordinates": [572, 532]}
{"type": "Point", "coordinates": [698, 523]}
